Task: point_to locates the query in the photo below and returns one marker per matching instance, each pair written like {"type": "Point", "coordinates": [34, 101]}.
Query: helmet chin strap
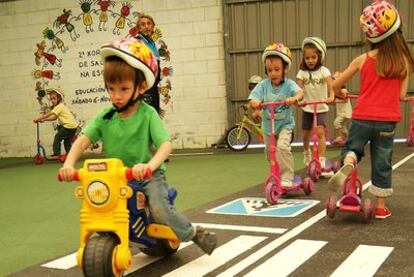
{"type": "Point", "coordinates": [117, 109]}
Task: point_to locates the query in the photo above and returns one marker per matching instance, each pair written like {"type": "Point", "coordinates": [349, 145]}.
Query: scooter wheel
{"type": "Point", "coordinates": [313, 171]}
{"type": "Point", "coordinates": [308, 185]}
{"type": "Point", "coordinates": [271, 192]}
{"type": "Point", "coordinates": [331, 206]}
{"type": "Point", "coordinates": [336, 166]}
{"type": "Point", "coordinates": [38, 159]}
{"type": "Point", "coordinates": [410, 140]}
{"type": "Point", "coordinates": [367, 211]}
{"type": "Point", "coordinates": [98, 256]}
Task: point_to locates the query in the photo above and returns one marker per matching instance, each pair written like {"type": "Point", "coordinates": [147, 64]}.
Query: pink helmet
{"type": "Point", "coordinates": [379, 20]}
{"type": "Point", "coordinates": [136, 54]}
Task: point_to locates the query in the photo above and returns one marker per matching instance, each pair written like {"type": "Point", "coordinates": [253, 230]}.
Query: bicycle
{"type": "Point", "coordinates": [239, 136]}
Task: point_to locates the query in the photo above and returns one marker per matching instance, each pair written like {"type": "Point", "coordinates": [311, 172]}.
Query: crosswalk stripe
{"type": "Point", "coordinates": [65, 262]}
{"type": "Point", "coordinates": [364, 261]}
{"type": "Point", "coordinates": [288, 259]}
{"type": "Point", "coordinates": [221, 255]}
{"type": "Point", "coordinates": [256, 229]}
{"type": "Point", "coordinates": [141, 260]}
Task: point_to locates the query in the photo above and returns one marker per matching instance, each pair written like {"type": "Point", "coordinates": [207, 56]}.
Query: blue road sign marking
{"type": "Point", "coordinates": [256, 206]}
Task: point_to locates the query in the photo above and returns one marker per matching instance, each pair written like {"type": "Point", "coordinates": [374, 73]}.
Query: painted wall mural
{"type": "Point", "coordinates": [53, 54]}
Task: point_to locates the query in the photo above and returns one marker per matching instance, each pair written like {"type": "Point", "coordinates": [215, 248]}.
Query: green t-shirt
{"type": "Point", "coordinates": [132, 139]}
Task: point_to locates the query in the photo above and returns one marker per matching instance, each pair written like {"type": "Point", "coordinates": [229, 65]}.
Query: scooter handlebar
{"type": "Point", "coordinates": [130, 176]}
{"type": "Point", "coordinates": [75, 176]}
{"type": "Point", "coordinates": [272, 104]}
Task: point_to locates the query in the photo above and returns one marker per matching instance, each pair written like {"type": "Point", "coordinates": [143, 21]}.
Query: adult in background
{"type": "Point", "coordinates": [146, 26]}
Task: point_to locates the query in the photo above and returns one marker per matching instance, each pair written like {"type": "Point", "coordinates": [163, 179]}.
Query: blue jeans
{"type": "Point", "coordinates": [162, 212]}
{"type": "Point", "coordinates": [380, 135]}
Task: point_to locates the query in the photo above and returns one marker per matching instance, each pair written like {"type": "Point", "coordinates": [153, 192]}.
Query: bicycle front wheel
{"type": "Point", "coordinates": [238, 138]}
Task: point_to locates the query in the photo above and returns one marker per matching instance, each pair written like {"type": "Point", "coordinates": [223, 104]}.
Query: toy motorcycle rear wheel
{"type": "Point", "coordinates": [162, 248]}
{"type": "Point", "coordinates": [98, 257]}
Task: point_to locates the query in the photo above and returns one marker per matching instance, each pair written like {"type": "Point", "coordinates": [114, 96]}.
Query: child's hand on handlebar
{"type": "Point", "coordinates": [290, 101]}
{"type": "Point", "coordinates": [330, 99]}
{"type": "Point", "coordinates": [140, 171]}
{"type": "Point", "coordinates": [67, 173]}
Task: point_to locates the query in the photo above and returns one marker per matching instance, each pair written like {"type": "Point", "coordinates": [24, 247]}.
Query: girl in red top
{"type": "Point", "coordinates": [384, 73]}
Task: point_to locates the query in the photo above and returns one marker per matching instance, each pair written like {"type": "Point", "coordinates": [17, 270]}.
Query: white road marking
{"type": "Point", "coordinates": [220, 256]}
{"type": "Point", "coordinates": [65, 262]}
{"type": "Point", "coordinates": [292, 233]}
{"type": "Point", "coordinates": [141, 260]}
{"type": "Point", "coordinates": [257, 229]}
{"type": "Point", "coordinates": [290, 258]}
{"type": "Point", "coordinates": [364, 261]}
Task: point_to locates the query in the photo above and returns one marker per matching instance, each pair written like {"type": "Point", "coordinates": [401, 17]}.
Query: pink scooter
{"type": "Point", "coordinates": [314, 168]}
{"type": "Point", "coordinates": [351, 199]}
{"type": "Point", "coordinates": [272, 185]}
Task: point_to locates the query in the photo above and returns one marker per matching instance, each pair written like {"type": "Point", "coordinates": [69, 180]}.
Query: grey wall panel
{"type": "Point", "coordinates": [250, 25]}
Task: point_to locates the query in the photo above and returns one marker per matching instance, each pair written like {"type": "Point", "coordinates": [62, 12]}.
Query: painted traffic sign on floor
{"type": "Point", "coordinates": [257, 206]}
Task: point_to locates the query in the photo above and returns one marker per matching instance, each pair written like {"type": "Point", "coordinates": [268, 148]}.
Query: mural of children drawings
{"type": "Point", "coordinates": [48, 74]}
{"type": "Point", "coordinates": [41, 93]}
{"type": "Point", "coordinates": [86, 15]}
{"type": "Point", "coordinates": [56, 42]}
{"type": "Point", "coordinates": [103, 16]}
{"type": "Point", "coordinates": [63, 20]}
{"type": "Point", "coordinates": [40, 52]}
{"type": "Point", "coordinates": [120, 23]}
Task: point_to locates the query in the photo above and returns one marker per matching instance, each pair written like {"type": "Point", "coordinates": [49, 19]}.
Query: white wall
{"type": "Point", "coordinates": [193, 31]}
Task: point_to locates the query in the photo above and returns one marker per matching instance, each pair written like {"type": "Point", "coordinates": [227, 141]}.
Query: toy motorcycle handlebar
{"type": "Point", "coordinates": [75, 176]}
{"type": "Point", "coordinates": [128, 175]}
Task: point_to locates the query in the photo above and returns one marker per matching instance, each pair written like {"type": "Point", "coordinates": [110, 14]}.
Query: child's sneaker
{"type": "Point", "coordinates": [336, 181]}
{"type": "Point", "coordinates": [307, 157]}
{"type": "Point", "coordinates": [207, 241]}
{"type": "Point", "coordinates": [382, 213]}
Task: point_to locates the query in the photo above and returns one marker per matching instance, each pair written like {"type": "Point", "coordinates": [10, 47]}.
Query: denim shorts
{"type": "Point", "coordinates": [380, 136]}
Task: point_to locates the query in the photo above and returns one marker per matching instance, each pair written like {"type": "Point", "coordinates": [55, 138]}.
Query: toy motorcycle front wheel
{"type": "Point", "coordinates": [99, 257]}
{"type": "Point", "coordinates": [162, 248]}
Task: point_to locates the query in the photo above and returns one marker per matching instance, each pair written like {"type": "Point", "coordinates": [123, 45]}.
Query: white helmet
{"type": "Point", "coordinates": [318, 43]}
{"type": "Point", "coordinates": [58, 91]}
{"type": "Point", "coordinates": [254, 79]}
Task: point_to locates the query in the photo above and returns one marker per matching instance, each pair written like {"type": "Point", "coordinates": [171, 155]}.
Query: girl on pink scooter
{"type": "Point", "coordinates": [316, 82]}
{"type": "Point", "coordinates": [384, 73]}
